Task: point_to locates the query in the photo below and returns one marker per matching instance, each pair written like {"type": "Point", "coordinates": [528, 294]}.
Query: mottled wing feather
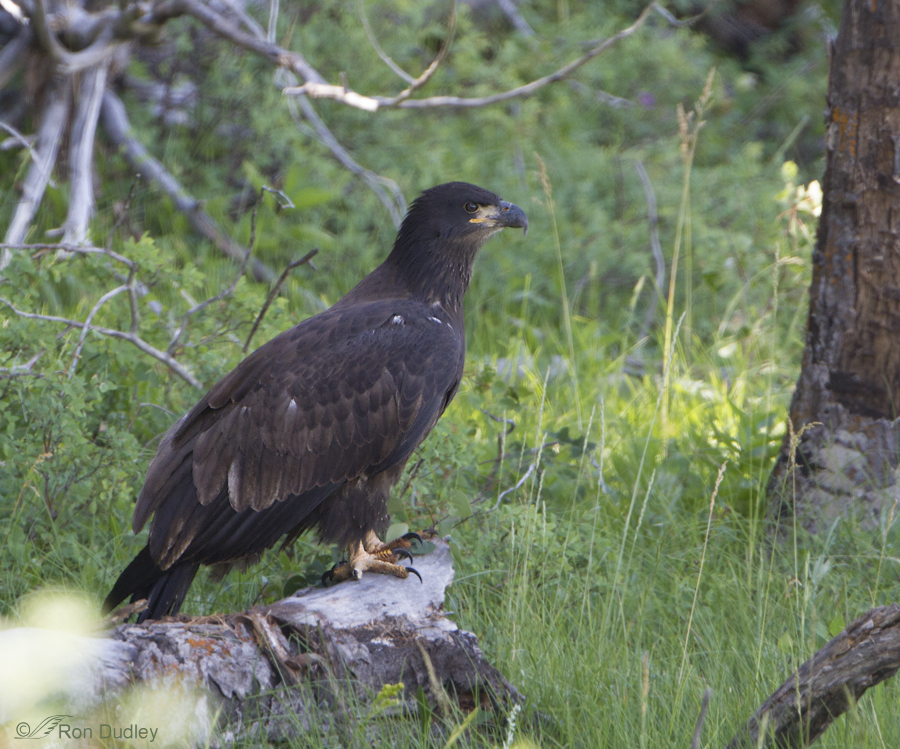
{"type": "Point", "coordinates": [350, 392]}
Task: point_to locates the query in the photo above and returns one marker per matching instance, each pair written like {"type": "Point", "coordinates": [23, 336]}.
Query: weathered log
{"type": "Point", "coordinates": [863, 655]}
{"type": "Point", "coordinates": [317, 660]}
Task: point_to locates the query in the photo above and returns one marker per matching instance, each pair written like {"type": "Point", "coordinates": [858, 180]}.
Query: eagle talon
{"type": "Point", "coordinates": [416, 573]}
{"type": "Point", "coordinates": [402, 554]}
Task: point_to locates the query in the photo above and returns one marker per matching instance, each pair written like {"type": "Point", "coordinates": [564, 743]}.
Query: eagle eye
{"type": "Point", "coordinates": [471, 207]}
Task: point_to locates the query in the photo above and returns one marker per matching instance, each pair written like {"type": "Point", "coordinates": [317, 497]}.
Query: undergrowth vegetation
{"type": "Point", "coordinates": [603, 479]}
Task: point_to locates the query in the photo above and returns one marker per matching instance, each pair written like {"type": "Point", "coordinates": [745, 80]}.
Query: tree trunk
{"type": "Point", "coordinates": [843, 444]}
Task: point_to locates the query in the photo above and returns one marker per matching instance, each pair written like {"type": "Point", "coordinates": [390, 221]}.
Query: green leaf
{"type": "Point", "coordinates": [459, 504]}
{"type": "Point", "coordinates": [395, 531]}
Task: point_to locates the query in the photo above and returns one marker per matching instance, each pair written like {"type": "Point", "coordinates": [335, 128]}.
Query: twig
{"type": "Point", "coordinates": [117, 126]}
{"type": "Point", "coordinates": [26, 143]}
{"type": "Point", "coordinates": [430, 70]}
{"type": "Point", "coordinates": [395, 205]}
{"type": "Point", "coordinates": [295, 264]}
{"type": "Point", "coordinates": [21, 370]}
{"type": "Point", "coordinates": [653, 221]}
{"type": "Point", "coordinates": [698, 729]}
{"type": "Point", "coordinates": [278, 55]}
{"type": "Point", "coordinates": [204, 304]}
{"type": "Point", "coordinates": [49, 136]}
{"type": "Point", "coordinates": [180, 370]}
{"type": "Point", "coordinates": [99, 50]}
{"type": "Point", "coordinates": [81, 192]}
{"type": "Point", "coordinates": [74, 249]}
{"type": "Point", "coordinates": [87, 326]}
{"type": "Point", "coordinates": [517, 486]}
{"type": "Point", "coordinates": [323, 90]}
{"type": "Point", "coordinates": [377, 47]}
{"type": "Point", "coordinates": [230, 290]}
{"type": "Point", "coordinates": [13, 55]}
{"type": "Point", "coordinates": [515, 17]}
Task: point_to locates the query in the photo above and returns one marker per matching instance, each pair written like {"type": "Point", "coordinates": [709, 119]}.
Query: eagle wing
{"type": "Point", "coordinates": [346, 394]}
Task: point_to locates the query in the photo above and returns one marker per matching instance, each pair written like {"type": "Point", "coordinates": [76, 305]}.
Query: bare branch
{"type": "Point", "coordinates": [278, 55]}
{"type": "Point", "coordinates": [430, 70]}
{"type": "Point", "coordinates": [698, 729]}
{"type": "Point", "coordinates": [21, 370]}
{"type": "Point", "coordinates": [17, 137]}
{"type": "Point", "coordinates": [87, 326]}
{"type": "Point", "coordinates": [175, 366]}
{"type": "Point", "coordinates": [515, 17]}
{"type": "Point", "coordinates": [395, 205]}
{"type": "Point", "coordinates": [49, 136]}
{"type": "Point", "coordinates": [101, 48]}
{"type": "Point", "coordinates": [377, 47]}
{"type": "Point", "coordinates": [316, 89]}
{"type": "Point", "coordinates": [275, 289]}
{"type": "Point", "coordinates": [81, 192]}
{"type": "Point", "coordinates": [653, 221]}
{"type": "Point", "coordinates": [218, 297]}
{"type": "Point", "coordinates": [117, 126]}
{"type": "Point", "coordinates": [13, 55]}
{"type": "Point", "coordinates": [74, 249]}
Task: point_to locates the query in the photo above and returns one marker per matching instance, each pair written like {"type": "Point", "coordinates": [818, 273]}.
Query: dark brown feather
{"type": "Point", "coordinates": [314, 428]}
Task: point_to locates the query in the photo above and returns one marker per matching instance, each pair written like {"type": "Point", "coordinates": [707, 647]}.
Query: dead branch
{"type": "Point", "coordinates": [131, 337]}
{"type": "Point", "coordinates": [117, 126]}
{"type": "Point", "coordinates": [275, 289]}
{"type": "Point", "coordinates": [281, 57]}
{"type": "Point", "coordinates": [43, 248]}
{"type": "Point", "coordinates": [515, 17]}
{"type": "Point", "coordinates": [49, 135]}
{"type": "Point", "coordinates": [435, 64]}
{"type": "Point", "coordinates": [102, 28]}
{"type": "Point", "coordinates": [81, 170]}
{"type": "Point", "coordinates": [316, 89]}
{"type": "Point", "coordinates": [653, 221]}
{"type": "Point", "coordinates": [228, 291]}
{"type": "Point", "coordinates": [385, 58]}
{"type": "Point", "coordinates": [87, 326]}
{"type": "Point", "coordinates": [395, 203]}
{"type": "Point", "coordinates": [863, 655]}
{"type": "Point", "coordinates": [13, 55]}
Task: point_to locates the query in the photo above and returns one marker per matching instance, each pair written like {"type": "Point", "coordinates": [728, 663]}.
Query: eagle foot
{"type": "Point", "coordinates": [374, 556]}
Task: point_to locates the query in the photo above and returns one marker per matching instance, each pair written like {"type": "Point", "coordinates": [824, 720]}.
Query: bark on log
{"type": "Point", "coordinates": [315, 660]}
{"type": "Point", "coordinates": [863, 655]}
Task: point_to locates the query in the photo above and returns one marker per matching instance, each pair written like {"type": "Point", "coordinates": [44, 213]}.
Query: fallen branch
{"type": "Point", "coordinates": [117, 126]}
{"type": "Point", "coordinates": [131, 337]}
{"type": "Point", "coordinates": [863, 655]}
{"type": "Point", "coordinates": [322, 90]}
{"type": "Point", "coordinates": [81, 153]}
{"type": "Point", "coordinates": [49, 136]}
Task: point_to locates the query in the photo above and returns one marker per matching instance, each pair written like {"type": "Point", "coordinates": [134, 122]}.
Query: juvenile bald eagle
{"type": "Point", "coordinates": [313, 429]}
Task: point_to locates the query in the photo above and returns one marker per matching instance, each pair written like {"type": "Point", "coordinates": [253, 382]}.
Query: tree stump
{"type": "Point", "coordinates": [317, 660]}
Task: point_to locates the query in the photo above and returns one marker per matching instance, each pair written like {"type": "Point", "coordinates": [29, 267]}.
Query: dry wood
{"type": "Point", "coordinates": [316, 659]}
{"type": "Point", "coordinates": [863, 655]}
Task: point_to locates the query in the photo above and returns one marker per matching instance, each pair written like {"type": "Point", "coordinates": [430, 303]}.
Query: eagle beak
{"type": "Point", "coordinates": [511, 215]}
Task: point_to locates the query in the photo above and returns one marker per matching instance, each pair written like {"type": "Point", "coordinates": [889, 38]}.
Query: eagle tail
{"type": "Point", "coordinates": [143, 578]}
